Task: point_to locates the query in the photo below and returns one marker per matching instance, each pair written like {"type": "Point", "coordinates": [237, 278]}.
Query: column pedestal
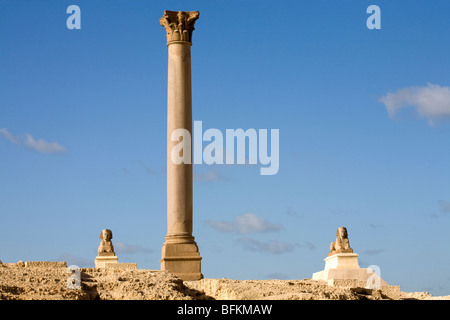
{"type": "Point", "coordinates": [182, 259]}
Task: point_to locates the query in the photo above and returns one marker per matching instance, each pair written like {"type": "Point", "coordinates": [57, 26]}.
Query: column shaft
{"type": "Point", "coordinates": [179, 115]}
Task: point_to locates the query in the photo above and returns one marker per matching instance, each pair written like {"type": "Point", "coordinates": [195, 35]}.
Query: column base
{"type": "Point", "coordinates": [182, 259]}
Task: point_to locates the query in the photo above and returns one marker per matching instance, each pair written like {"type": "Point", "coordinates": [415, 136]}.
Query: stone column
{"type": "Point", "coordinates": [180, 253]}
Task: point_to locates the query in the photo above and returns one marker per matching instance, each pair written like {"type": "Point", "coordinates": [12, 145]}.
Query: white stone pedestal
{"type": "Point", "coordinates": [342, 261]}
{"type": "Point", "coordinates": [342, 269]}
{"type": "Point", "coordinates": [101, 261]}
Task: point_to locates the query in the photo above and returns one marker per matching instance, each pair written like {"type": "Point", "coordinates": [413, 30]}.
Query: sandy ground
{"type": "Point", "coordinates": [37, 283]}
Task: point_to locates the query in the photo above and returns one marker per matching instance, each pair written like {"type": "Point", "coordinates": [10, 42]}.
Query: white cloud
{"type": "Point", "coordinates": [43, 146]}
{"type": "Point", "coordinates": [39, 145]}
{"type": "Point", "coordinates": [223, 226]}
{"type": "Point", "coordinates": [308, 245]}
{"type": "Point", "coordinates": [431, 102]}
{"type": "Point", "coordinates": [245, 223]}
{"type": "Point", "coordinates": [9, 136]}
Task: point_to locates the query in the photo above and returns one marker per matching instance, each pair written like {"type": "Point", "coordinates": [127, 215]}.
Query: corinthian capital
{"type": "Point", "coordinates": [179, 25]}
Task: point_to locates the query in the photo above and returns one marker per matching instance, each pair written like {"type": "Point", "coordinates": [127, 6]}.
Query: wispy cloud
{"type": "Point", "coordinates": [120, 247]}
{"type": "Point", "coordinates": [291, 212]}
{"type": "Point", "coordinates": [27, 140]}
{"type": "Point", "coordinates": [444, 206]}
{"type": "Point", "coordinates": [444, 210]}
{"type": "Point", "coordinates": [431, 102]}
{"type": "Point", "coordinates": [43, 146]}
{"type": "Point", "coordinates": [276, 275]}
{"type": "Point", "coordinates": [211, 175]}
{"type": "Point", "coordinates": [307, 244]}
{"type": "Point", "coordinates": [433, 290]}
{"type": "Point", "coordinates": [9, 136]}
{"type": "Point", "coordinates": [274, 246]}
{"type": "Point", "coordinates": [146, 168]}
{"type": "Point", "coordinates": [77, 261]}
{"type": "Point", "coordinates": [373, 251]}
{"type": "Point", "coordinates": [245, 223]}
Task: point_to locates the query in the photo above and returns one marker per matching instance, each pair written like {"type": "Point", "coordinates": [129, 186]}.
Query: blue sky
{"type": "Point", "coordinates": [362, 115]}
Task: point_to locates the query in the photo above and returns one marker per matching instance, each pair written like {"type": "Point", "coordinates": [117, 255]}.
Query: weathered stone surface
{"type": "Point", "coordinates": [45, 264]}
{"type": "Point", "coordinates": [182, 259]}
{"type": "Point", "coordinates": [179, 25]}
{"type": "Point", "coordinates": [360, 275]}
{"type": "Point", "coordinates": [102, 261]}
{"type": "Point", "coordinates": [121, 266]}
{"type": "Point", "coordinates": [342, 261]}
{"type": "Point", "coordinates": [342, 244]}
{"type": "Point", "coordinates": [106, 247]}
{"type": "Point", "coordinates": [306, 289]}
{"type": "Point", "coordinates": [17, 283]}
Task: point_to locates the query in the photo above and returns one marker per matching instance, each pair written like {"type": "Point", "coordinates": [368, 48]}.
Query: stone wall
{"type": "Point", "coordinates": [121, 266]}
{"type": "Point", "coordinates": [45, 264]}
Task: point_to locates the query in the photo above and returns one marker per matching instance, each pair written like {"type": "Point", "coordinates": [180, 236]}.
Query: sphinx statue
{"type": "Point", "coordinates": [341, 245]}
{"type": "Point", "coordinates": [106, 247]}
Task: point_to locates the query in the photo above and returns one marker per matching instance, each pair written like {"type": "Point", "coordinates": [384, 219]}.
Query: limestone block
{"type": "Point", "coordinates": [182, 260]}
{"type": "Point", "coordinates": [346, 283]}
{"type": "Point", "coordinates": [45, 264]}
{"type": "Point", "coordinates": [391, 290]}
{"type": "Point", "coordinates": [101, 261]}
{"type": "Point", "coordinates": [121, 266]}
{"type": "Point", "coordinates": [342, 261]}
{"type": "Point", "coordinates": [337, 276]}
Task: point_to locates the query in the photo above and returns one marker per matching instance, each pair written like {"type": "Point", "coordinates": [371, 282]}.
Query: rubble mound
{"type": "Point", "coordinates": [41, 283]}
{"type": "Point", "coordinates": [54, 281]}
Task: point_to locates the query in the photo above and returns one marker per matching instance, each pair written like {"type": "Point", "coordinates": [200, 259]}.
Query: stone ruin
{"type": "Point", "coordinates": [105, 250]}
{"type": "Point", "coordinates": [342, 268]}
{"type": "Point", "coordinates": [341, 245]}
